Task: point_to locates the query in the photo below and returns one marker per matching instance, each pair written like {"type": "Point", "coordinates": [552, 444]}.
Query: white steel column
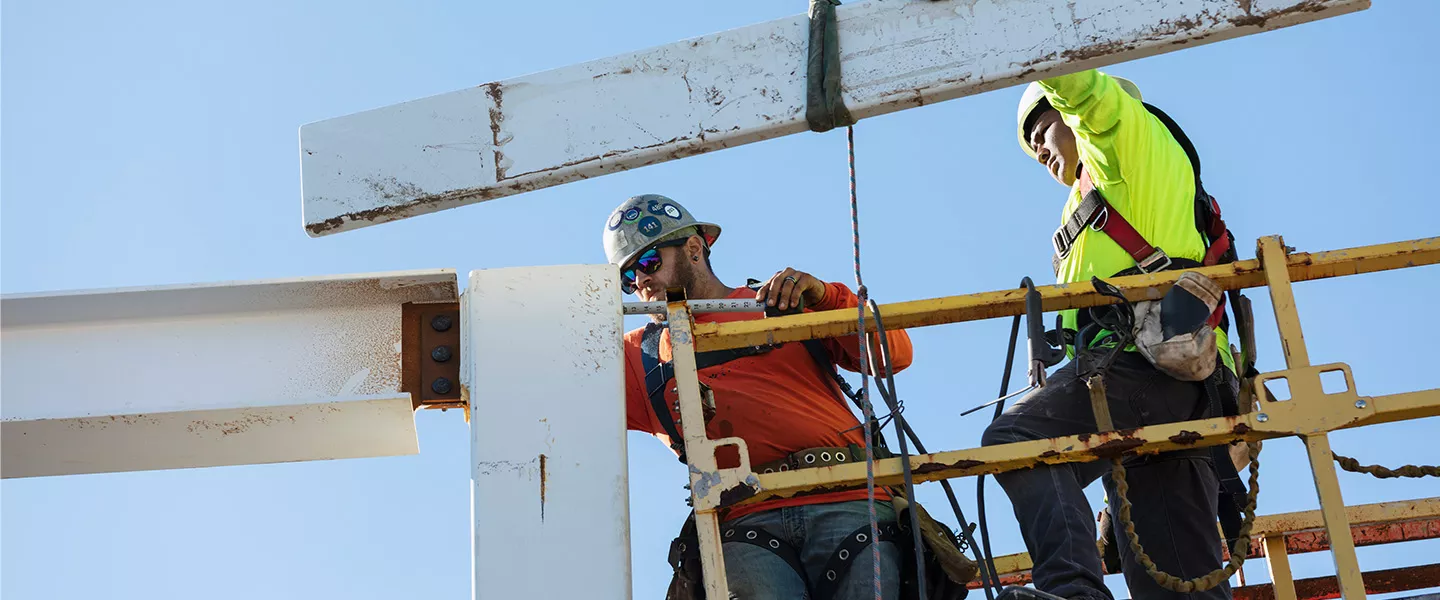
{"type": "Point", "coordinates": [209, 374]}
{"type": "Point", "coordinates": [546, 385]}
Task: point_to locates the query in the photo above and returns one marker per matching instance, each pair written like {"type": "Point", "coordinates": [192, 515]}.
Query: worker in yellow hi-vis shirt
{"type": "Point", "coordinates": [1135, 205]}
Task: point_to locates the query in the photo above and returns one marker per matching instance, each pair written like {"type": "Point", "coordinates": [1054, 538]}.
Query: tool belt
{"type": "Point", "coordinates": [947, 569]}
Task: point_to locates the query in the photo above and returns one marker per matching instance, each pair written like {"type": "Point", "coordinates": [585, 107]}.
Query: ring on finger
{"type": "Point", "coordinates": [791, 278]}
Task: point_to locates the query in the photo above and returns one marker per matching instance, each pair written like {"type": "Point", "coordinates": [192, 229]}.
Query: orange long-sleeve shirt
{"type": "Point", "coordinates": [779, 402]}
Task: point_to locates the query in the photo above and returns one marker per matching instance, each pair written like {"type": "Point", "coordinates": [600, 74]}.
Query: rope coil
{"type": "Point", "coordinates": [1213, 578]}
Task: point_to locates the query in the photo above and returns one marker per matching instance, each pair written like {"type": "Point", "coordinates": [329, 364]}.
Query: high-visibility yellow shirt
{"type": "Point", "coordinates": [1143, 173]}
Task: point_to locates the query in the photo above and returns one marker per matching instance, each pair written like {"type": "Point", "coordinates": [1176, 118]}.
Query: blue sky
{"type": "Point", "coordinates": [156, 143]}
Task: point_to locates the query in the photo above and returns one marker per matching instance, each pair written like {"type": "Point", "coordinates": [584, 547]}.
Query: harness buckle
{"type": "Point", "coordinates": [1101, 219]}
{"type": "Point", "coordinates": [1062, 245]}
{"type": "Point", "coordinates": [1157, 261]}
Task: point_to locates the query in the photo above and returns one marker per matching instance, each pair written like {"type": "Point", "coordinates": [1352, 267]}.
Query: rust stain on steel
{"type": "Point", "coordinates": [1372, 534]}
{"type": "Point", "coordinates": [1186, 437]}
{"type": "Point", "coordinates": [1240, 429]}
{"type": "Point", "coordinates": [1119, 446]}
{"type": "Point", "coordinates": [233, 426]}
{"type": "Point", "coordinates": [495, 92]}
{"type": "Point", "coordinates": [739, 493]}
{"type": "Point", "coordinates": [542, 488]}
{"type": "Point", "coordinates": [934, 466]}
{"type": "Point", "coordinates": [1325, 588]}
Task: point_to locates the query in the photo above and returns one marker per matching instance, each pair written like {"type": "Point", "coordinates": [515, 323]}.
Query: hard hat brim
{"type": "Point", "coordinates": [709, 231]}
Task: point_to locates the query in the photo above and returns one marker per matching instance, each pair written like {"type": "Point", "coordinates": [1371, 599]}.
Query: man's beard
{"type": "Point", "coordinates": [686, 278]}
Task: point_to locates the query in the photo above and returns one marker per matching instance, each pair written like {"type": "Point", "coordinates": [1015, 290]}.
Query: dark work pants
{"type": "Point", "coordinates": [1173, 495]}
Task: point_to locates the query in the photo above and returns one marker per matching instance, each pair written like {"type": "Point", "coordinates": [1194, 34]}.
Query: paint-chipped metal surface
{"type": "Point", "coordinates": [1390, 523]}
{"type": "Point", "coordinates": [727, 89]}
{"type": "Point", "coordinates": [350, 427]}
{"type": "Point", "coordinates": [83, 358]}
{"type": "Point", "coordinates": [545, 382]}
{"type": "Point", "coordinates": [1388, 581]}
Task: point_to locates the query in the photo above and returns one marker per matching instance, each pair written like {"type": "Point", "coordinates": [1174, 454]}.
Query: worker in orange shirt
{"type": "Point", "coordinates": [783, 401]}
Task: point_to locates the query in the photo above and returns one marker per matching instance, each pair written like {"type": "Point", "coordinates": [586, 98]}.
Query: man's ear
{"type": "Point", "coordinates": [694, 248]}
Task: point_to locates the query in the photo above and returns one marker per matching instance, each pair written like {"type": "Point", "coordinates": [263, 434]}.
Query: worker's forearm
{"type": "Point", "coordinates": [1089, 100]}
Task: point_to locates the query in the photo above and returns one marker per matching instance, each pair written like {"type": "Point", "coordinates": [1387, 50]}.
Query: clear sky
{"type": "Point", "coordinates": [156, 142]}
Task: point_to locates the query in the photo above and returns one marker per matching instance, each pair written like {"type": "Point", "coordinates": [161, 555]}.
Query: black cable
{"type": "Point", "coordinates": [899, 419]}
{"type": "Point", "coordinates": [896, 410]}
{"type": "Point", "coordinates": [980, 481]}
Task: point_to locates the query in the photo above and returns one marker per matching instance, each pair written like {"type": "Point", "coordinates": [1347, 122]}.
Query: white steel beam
{"type": "Point", "coordinates": [545, 382]}
{"type": "Point", "coordinates": [208, 375]}
{"type": "Point", "coordinates": [730, 88]}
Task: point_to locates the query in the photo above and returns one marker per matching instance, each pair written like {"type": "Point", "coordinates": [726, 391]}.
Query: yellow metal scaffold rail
{"type": "Point", "coordinates": [1310, 413]}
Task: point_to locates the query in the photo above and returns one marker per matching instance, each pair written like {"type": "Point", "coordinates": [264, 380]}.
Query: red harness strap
{"type": "Point", "coordinates": [1146, 256]}
{"type": "Point", "coordinates": [1112, 223]}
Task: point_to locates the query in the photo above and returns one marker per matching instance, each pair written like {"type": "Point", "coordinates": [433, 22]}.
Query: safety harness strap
{"type": "Point", "coordinates": [840, 562]}
{"type": "Point", "coordinates": [756, 536]}
{"type": "Point", "coordinates": [659, 374]}
{"type": "Point", "coordinates": [655, 385]}
{"type": "Point", "coordinates": [1096, 213]}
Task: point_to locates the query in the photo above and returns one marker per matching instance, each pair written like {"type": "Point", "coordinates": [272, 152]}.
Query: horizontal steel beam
{"type": "Point", "coordinates": [727, 89]}
{"type": "Point", "coordinates": [1087, 447]}
{"type": "Point", "coordinates": [1303, 266]}
{"type": "Point", "coordinates": [208, 375]}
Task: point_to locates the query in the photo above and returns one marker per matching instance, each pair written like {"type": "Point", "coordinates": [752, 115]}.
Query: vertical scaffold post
{"type": "Point", "coordinates": [1271, 251]}
{"type": "Point", "coordinates": [698, 448]}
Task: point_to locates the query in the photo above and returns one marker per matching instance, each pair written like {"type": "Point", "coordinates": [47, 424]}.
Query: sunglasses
{"type": "Point", "coordinates": [648, 263]}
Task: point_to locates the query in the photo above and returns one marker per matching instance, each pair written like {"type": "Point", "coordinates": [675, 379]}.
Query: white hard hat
{"type": "Point", "coordinates": [642, 221]}
{"type": "Point", "coordinates": [1034, 94]}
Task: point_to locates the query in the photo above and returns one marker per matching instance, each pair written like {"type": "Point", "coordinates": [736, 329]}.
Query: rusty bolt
{"type": "Point", "coordinates": [441, 323]}
{"type": "Point", "coordinates": [1360, 404]}
{"type": "Point", "coordinates": [441, 385]}
{"type": "Point", "coordinates": [440, 354]}
{"type": "Point", "coordinates": [1262, 417]}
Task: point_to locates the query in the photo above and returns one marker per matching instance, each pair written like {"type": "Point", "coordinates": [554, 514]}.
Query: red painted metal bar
{"type": "Point", "coordinates": [1376, 582]}
{"type": "Point", "coordinates": [1301, 542]}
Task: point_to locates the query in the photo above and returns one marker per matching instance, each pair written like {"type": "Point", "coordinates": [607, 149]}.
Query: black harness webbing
{"type": "Point", "coordinates": [658, 374]}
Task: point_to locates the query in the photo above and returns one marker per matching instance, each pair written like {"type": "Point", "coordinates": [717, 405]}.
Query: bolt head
{"type": "Point", "coordinates": [440, 354]}
{"type": "Point", "coordinates": [441, 323]}
{"type": "Point", "coordinates": [441, 385]}
{"type": "Point", "coordinates": [1262, 417]}
{"type": "Point", "coordinates": [1361, 404]}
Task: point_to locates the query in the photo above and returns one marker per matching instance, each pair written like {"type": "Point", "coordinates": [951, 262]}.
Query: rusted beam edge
{"type": "Point", "coordinates": [1084, 447]}
{"type": "Point", "coordinates": [1303, 266]}
{"type": "Point", "coordinates": [1376, 582]}
{"type": "Point", "coordinates": [1015, 568]}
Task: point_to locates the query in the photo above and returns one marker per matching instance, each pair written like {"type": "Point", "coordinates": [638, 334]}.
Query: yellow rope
{"type": "Point", "coordinates": [1237, 553]}
{"type": "Point", "coordinates": [1416, 471]}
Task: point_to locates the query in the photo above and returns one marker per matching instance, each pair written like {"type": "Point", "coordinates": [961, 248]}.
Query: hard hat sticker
{"type": "Point", "coordinates": [614, 221]}
{"type": "Point", "coordinates": [672, 212]}
{"type": "Point", "coordinates": [650, 226]}
{"type": "Point", "coordinates": [631, 214]}
{"type": "Point", "coordinates": [654, 208]}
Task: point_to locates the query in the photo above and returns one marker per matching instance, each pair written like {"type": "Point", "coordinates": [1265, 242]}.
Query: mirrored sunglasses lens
{"type": "Point", "coordinates": [649, 263]}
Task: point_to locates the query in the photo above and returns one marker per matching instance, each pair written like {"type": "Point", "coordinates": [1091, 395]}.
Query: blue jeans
{"type": "Point", "coordinates": [1174, 494]}
{"type": "Point", "coordinates": [815, 531]}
